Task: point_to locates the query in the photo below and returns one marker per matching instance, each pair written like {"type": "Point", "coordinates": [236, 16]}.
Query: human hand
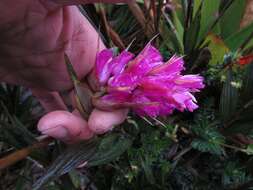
{"type": "Point", "coordinates": [34, 35]}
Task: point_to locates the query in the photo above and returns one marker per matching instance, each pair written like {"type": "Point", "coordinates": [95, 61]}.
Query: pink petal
{"type": "Point", "coordinates": [191, 106]}
{"type": "Point", "coordinates": [151, 106]}
{"type": "Point", "coordinates": [123, 82]}
{"type": "Point", "coordinates": [103, 69]}
{"type": "Point", "coordinates": [118, 63]}
{"type": "Point", "coordinates": [172, 67]}
{"type": "Point", "coordinates": [145, 61]}
{"type": "Point", "coordinates": [190, 81]}
{"type": "Point", "coordinates": [146, 84]}
{"type": "Point", "coordinates": [112, 101]}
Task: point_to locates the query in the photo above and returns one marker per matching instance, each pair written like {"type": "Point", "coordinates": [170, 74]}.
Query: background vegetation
{"type": "Point", "coordinates": [209, 149]}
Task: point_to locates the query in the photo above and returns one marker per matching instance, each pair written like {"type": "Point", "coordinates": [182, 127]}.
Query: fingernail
{"type": "Point", "coordinates": [58, 132]}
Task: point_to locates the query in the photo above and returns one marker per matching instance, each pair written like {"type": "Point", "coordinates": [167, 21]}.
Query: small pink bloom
{"type": "Point", "coordinates": [145, 83]}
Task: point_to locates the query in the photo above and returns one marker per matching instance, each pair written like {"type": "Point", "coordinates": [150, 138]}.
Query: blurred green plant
{"type": "Point", "coordinates": [208, 149]}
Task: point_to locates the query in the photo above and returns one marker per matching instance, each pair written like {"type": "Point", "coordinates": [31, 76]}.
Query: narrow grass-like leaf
{"type": "Point", "coordinates": [209, 13]}
{"type": "Point", "coordinates": [196, 6]}
{"type": "Point", "coordinates": [83, 93]}
{"type": "Point", "coordinates": [230, 21]}
{"type": "Point", "coordinates": [179, 28]}
{"type": "Point", "coordinates": [173, 34]}
{"type": "Point", "coordinates": [169, 38]}
{"type": "Point", "coordinates": [191, 34]}
{"type": "Point", "coordinates": [237, 39]}
{"type": "Point", "coordinates": [71, 158]}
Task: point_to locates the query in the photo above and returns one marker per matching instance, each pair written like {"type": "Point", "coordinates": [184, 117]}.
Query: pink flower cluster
{"type": "Point", "coordinates": [145, 83]}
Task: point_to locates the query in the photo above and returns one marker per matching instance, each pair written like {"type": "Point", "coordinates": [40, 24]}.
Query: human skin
{"type": "Point", "coordinates": [34, 35]}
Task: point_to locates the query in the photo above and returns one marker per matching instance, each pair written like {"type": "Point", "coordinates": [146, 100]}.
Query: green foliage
{"type": "Point", "coordinates": [208, 149]}
{"type": "Point", "coordinates": [234, 175]}
{"type": "Point", "coordinates": [228, 27]}
{"type": "Point", "coordinates": [208, 138]}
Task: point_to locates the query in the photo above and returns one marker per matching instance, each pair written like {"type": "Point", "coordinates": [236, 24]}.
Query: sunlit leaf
{"type": "Point", "coordinates": [217, 48]}
{"type": "Point", "coordinates": [209, 13]}
{"type": "Point", "coordinates": [196, 6]}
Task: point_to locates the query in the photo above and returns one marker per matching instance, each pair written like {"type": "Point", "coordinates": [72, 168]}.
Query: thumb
{"type": "Point", "coordinates": [64, 126]}
{"type": "Point", "coordinates": [102, 121]}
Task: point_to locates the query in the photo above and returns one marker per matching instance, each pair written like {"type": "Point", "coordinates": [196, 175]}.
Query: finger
{"type": "Point", "coordinates": [50, 101]}
{"type": "Point", "coordinates": [64, 126]}
{"type": "Point", "coordinates": [76, 2]}
{"type": "Point", "coordinates": [103, 121]}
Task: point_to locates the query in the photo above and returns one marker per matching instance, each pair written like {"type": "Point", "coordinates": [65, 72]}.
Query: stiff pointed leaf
{"type": "Point", "coordinates": [70, 69]}
{"type": "Point", "coordinates": [170, 39]}
{"type": "Point", "coordinates": [179, 29]}
{"type": "Point", "coordinates": [229, 97]}
{"type": "Point", "coordinates": [230, 21]}
{"type": "Point", "coordinates": [192, 33]}
{"type": "Point", "coordinates": [83, 97]}
{"type": "Point", "coordinates": [196, 6]}
{"type": "Point", "coordinates": [83, 94]}
{"type": "Point", "coordinates": [237, 39]}
{"type": "Point", "coordinates": [110, 148]}
{"type": "Point", "coordinates": [71, 158]}
{"type": "Point", "coordinates": [209, 14]}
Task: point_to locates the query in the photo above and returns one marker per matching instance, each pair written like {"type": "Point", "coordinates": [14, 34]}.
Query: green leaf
{"type": "Point", "coordinates": [208, 140]}
{"type": "Point", "coordinates": [196, 6]}
{"type": "Point", "coordinates": [249, 149]}
{"type": "Point", "coordinates": [204, 146]}
{"type": "Point", "coordinates": [209, 13]}
{"type": "Point", "coordinates": [71, 158]}
{"type": "Point", "coordinates": [170, 39]}
{"type": "Point", "coordinates": [229, 97]}
{"type": "Point", "coordinates": [110, 148]}
{"type": "Point", "coordinates": [179, 29]}
{"type": "Point", "coordinates": [217, 47]}
{"type": "Point", "coordinates": [237, 39]}
{"type": "Point", "coordinates": [146, 165]}
{"type": "Point", "coordinates": [191, 34]}
{"type": "Point", "coordinates": [234, 175]}
{"type": "Point", "coordinates": [230, 21]}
